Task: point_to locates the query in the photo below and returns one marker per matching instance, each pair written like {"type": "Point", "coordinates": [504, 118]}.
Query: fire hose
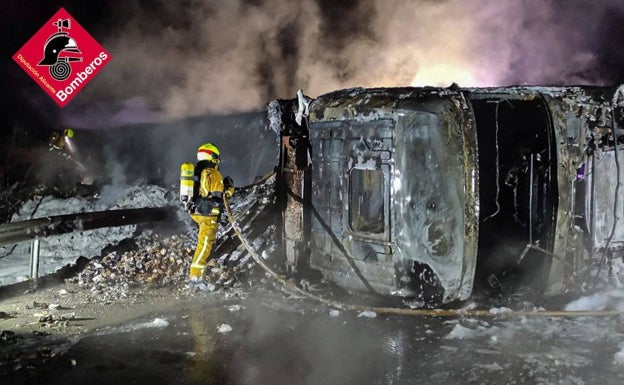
{"type": "Point", "coordinates": [403, 311]}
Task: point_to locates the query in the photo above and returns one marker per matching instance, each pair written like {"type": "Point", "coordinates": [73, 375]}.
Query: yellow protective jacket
{"type": "Point", "coordinates": [210, 190]}
{"type": "Point", "coordinates": [208, 201]}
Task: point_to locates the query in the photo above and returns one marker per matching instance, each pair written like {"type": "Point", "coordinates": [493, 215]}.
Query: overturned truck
{"type": "Point", "coordinates": [429, 192]}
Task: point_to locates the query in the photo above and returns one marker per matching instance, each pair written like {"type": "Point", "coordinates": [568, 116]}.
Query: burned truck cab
{"type": "Point", "coordinates": [394, 180]}
{"type": "Point", "coordinates": [393, 200]}
{"type": "Point", "coordinates": [428, 192]}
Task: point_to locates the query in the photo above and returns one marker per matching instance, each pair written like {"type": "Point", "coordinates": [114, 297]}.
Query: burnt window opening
{"type": "Point", "coordinates": [366, 201]}
{"type": "Point", "coordinates": [517, 188]}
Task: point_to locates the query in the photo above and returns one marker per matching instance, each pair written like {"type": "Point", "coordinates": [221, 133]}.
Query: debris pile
{"type": "Point", "coordinates": [155, 262]}
{"type": "Point", "coordinates": [61, 250]}
{"type": "Point", "coordinates": [164, 262]}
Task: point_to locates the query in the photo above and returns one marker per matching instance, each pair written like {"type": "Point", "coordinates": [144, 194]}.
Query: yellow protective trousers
{"type": "Point", "coordinates": [208, 225]}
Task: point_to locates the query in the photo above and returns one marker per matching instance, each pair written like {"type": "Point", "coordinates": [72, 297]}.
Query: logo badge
{"type": "Point", "coordinates": [62, 57]}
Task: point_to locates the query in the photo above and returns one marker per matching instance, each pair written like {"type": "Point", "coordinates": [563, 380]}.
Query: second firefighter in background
{"type": "Point", "coordinates": [206, 204]}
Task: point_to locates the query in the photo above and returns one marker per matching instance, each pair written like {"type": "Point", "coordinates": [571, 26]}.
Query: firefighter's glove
{"type": "Point", "coordinates": [228, 185]}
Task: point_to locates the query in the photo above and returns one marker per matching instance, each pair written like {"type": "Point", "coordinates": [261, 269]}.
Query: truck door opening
{"type": "Point", "coordinates": [518, 191]}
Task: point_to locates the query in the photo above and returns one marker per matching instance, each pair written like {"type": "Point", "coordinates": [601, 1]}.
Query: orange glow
{"type": "Point", "coordinates": [442, 75]}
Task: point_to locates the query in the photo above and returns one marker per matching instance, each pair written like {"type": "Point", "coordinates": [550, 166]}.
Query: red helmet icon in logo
{"type": "Point", "coordinates": [59, 50]}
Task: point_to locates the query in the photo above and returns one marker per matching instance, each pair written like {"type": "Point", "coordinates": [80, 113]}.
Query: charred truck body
{"type": "Point", "coordinates": [427, 192]}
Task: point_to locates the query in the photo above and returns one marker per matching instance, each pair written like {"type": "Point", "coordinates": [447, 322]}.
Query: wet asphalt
{"type": "Point", "coordinates": [268, 339]}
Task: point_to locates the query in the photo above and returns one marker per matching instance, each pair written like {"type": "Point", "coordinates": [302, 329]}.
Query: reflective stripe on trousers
{"type": "Point", "coordinates": [208, 225]}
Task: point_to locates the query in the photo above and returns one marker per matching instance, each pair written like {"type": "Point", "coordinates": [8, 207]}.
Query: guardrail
{"type": "Point", "coordinates": [35, 229]}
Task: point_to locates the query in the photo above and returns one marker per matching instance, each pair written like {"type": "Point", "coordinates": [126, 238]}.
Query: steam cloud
{"type": "Point", "coordinates": [204, 56]}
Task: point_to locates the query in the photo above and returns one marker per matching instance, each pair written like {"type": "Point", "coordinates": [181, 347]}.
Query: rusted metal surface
{"type": "Point", "coordinates": [293, 174]}
{"type": "Point", "coordinates": [286, 118]}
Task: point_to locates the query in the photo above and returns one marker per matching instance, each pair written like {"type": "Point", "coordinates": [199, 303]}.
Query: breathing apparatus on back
{"type": "Point", "coordinates": [189, 182]}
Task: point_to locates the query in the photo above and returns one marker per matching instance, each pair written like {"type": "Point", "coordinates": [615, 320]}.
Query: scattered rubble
{"type": "Point", "coordinates": [19, 352]}
{"type": "Point", "coordinates": [155, 263]}
{"type": "Point", "coordinates": [158, 261]}
{"type": "Point", "coordinates": [161, 262]}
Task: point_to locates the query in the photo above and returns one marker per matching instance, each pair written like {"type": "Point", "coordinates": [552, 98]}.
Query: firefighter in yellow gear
{"type": "Point", "coordinates": [207, 204]}
{"type": "Point", "coordinates": [58, 141]}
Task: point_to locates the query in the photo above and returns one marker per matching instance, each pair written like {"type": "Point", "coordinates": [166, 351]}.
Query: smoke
{"type": "Point", "coordinates": [548, 42]}
{"type": "Point", "coordinates": [97, 114]}
{"type": "Point", "coordinates": [205, 56]}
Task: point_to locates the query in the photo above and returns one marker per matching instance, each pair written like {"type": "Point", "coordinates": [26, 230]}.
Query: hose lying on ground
{"type": "Point", "coordinates": [403, 311]}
